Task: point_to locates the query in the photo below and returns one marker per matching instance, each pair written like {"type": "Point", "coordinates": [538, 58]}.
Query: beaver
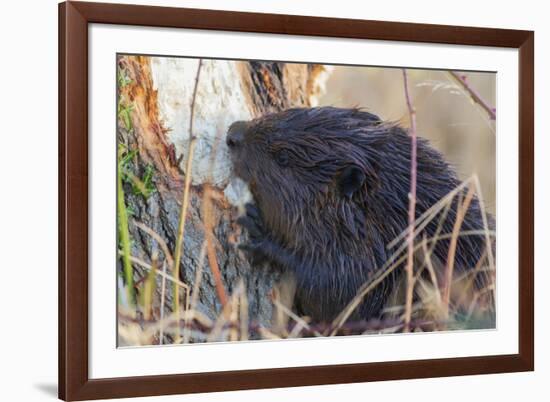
{"type": "Point", "coordinates": [331, 191]}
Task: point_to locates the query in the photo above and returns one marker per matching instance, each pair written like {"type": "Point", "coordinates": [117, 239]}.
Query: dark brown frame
{"type": "Point", "coordinates": [74, 17]}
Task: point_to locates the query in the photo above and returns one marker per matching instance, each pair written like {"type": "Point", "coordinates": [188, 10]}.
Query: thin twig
{"type": "Point", "coordinates": [460, 215]}
{"type": "Point", "coordinates": [193, 100]}
{"type": "Point", "coordinates": [196, 287]}
{"type": "Point", "coordinates": [147, 266]}
{"type": "Point", "coordinates": [470, 277]}
{"type": "Point", "coordinates": [162, 301]}
{"type": "Point", "coordinates": [162, 244]}
{"type": "Point", "coordinates": [211, 253]}
{"type": "Point", "coordinates": [185, 202]}
{"type": "Point", "coordinates": [234, 313]}
{"type": "Point", "coordinates": [149, 288]}
{"type": "Point", "coordinates": [412, 207]}
{"type": "Point", "coordinates": [244, 316]}
{"type": "Point", "coordinates": [223, 318]}
{"type": "Point", "coordinates": [300, 321]}
{"type": "Point", "coordinates": [210, 249]}
{"type": "Point", "coordinates": [181, 226]}
{"type": "Point", "coordinates": [485, 222]}
{"type": "Point", "coordinates": [476, 97]}
{"type": "Point", "coordinates": [198, 277]}
{"type": "Point", "coordinates": [430, 267]}
{"type": "Point", "coordinates": [209, 224]}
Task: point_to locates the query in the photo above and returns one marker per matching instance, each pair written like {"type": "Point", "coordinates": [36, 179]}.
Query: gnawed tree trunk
{"type": "Point", "coordinates": [158, 93]}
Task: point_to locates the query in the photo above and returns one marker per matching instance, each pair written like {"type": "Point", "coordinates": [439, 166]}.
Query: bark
{"type": "Point", "coordinates": [160, 92]}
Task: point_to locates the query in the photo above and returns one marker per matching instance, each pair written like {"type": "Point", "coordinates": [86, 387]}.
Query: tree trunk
{"type": "Point", "coordinates": [158, 97]}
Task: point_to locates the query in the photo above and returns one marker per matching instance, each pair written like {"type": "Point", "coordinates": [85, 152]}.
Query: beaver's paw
{"type": "Point", "coordinates": [258, 244]}
{"type": "Point", "coordinates": [257, 252]}
{"type": "Point", "coordinates": [253, 223]}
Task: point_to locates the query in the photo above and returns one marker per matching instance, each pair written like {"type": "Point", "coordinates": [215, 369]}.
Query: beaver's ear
{"type": "Point", "coordinates": [350, 180]}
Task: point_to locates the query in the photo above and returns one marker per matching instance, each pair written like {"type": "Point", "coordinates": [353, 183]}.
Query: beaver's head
{"type": "Point", "coordinates": [304, 163]}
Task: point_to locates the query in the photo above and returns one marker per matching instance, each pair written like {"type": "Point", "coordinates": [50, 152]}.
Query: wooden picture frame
{"type": "Point", "coordinates": [74, 381]}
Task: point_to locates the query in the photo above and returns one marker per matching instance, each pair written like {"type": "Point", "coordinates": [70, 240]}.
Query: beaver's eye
{"type": "Point", "coordinates": [282, 157]}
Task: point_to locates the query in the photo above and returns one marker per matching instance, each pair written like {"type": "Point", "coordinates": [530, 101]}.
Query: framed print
{"type": "Point", "coordinates": [256, 201]}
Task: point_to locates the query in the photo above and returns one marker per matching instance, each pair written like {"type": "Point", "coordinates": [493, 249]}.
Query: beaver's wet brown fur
{"type": "Point", "coordinates": [331, 189]}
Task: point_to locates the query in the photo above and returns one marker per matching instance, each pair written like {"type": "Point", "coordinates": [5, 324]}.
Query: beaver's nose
{"type": "Point", "coordinates": [235, 134]}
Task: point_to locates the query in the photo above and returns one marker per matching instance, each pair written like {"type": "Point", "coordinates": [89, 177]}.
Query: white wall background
{"type": "Point", "coordinates": [28, 199]}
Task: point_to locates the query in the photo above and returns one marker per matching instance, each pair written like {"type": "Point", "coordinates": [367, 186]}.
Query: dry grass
{"type": "Point", "coordinates": [457, 304]}
{"type": "Point", "coordinates": [409, 268]}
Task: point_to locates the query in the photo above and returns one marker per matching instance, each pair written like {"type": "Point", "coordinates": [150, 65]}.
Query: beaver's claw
{"type": "Point", "coordinates": [258, 244]}
{"type": "Point", "coordinates": [256, 252]}
{"type": "Point", "coordinates": [253, 223]}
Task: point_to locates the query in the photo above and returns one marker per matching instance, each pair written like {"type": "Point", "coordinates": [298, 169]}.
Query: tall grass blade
{"type": "Point", "coordinates": [124, 236]}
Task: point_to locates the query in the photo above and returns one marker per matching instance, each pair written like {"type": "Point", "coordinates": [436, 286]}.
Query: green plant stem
{"type": "Point", "coordinates": [125, 239]}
